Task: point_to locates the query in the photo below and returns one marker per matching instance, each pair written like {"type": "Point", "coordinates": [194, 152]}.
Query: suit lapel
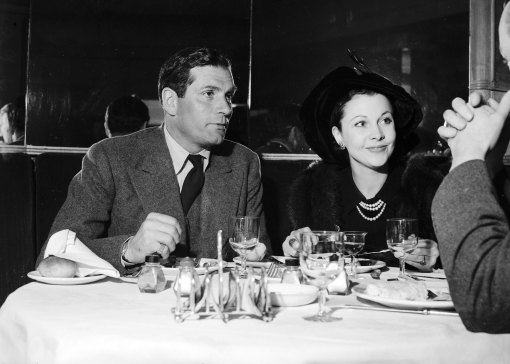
{"type": "Point", "coordinates": [154, 178]}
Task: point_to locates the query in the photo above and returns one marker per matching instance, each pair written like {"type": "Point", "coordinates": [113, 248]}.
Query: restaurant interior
{"type": "Point", "coordinates": [68, 59]}
{"type": "Point", "coordinates": [65, 61]}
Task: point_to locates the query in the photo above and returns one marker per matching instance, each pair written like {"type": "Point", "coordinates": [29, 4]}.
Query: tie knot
{"type": "Point", "coordinates": [196, 160]}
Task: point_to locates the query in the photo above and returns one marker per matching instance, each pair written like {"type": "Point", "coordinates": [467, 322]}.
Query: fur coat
{"type": "Point", "coordinates": [315, 200]}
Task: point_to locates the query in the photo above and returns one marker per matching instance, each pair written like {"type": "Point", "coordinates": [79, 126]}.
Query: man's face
{"type": "Point", "coordinates": [203, 114]}
{"type": "Point", "coordinates": [504, 41]}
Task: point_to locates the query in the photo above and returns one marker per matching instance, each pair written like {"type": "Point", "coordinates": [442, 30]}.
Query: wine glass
{"type": "Point", "coordinates": [354, 241]}
{"type": "Point", "coordinates": [244, 237]}
{"type": "Point", "coordinates": [402, 238]}
{"type": "Point", "coordinates": [319, 254]}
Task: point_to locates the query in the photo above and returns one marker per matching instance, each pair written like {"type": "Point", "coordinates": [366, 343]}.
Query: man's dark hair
{"type": "Point", "coordinates": [126, 114]}
{"type": "Point", "coordinates": [15, 115]}
{"type": "Point", "coordinates": [175, 72]}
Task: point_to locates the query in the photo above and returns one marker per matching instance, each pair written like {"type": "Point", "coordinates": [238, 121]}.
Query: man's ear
{"type": "Point", "coordinates": [169, 101]}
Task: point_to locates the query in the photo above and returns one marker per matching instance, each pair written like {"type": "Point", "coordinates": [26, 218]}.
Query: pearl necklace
{"type": "Point", "coordinates": [379, 204]}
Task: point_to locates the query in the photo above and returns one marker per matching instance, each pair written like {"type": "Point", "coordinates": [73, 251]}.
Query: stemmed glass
{"type": "Point", "coordinates": [402, 238]}
{"type": "Point", "coordinates": [319, 254]}
{"type": "Point", "coordinates": [354, 241]}
{"type": "Point", "coordinates": [244, 237]}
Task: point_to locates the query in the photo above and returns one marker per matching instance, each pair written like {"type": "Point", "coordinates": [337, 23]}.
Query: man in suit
{"type": "Point", "coordinates": [133, 196]}
{"type": "Point", "coordinates": [471, 225]}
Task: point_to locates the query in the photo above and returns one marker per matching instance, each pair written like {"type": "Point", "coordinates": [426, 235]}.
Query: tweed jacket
{"type": "Point", "coordinates": [125, 178]}
{"type": "Point", "coordinates": [474, 242]}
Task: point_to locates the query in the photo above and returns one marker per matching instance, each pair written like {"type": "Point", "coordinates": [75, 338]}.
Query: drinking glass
{"type": "Point", "coordinates": [402, 238]}
{"type": "Point", "coordinates": [244, 237]}
{"type": "Point", "coordinates": [319, 254]}
{"type": "Point", "coordinates": [354, 241]}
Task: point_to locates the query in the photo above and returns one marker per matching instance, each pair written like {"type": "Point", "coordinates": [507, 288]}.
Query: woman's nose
{"type": "Point", "coordinates": [378, 133]}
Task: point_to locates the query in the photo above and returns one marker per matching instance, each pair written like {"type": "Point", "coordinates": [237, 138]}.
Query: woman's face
{"type": "Point", "coordinates": [368, 130]}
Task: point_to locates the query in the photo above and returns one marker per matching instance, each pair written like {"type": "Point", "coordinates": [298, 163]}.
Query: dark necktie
{"type": "Point", "coordinates": [193, 182]}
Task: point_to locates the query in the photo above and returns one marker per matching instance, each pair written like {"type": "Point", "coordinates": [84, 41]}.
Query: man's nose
{"type": "Point", "coordinates": [225, 106]}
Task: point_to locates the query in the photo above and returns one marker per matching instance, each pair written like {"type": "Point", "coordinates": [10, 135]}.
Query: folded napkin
{"type": "Point", "coordinates": [65, 244]}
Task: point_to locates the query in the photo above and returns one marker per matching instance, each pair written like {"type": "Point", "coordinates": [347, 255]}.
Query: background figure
{"type": "Point", "coordinates": [125, 115]}
{"type": "Point", "coordinates": [12, 122]}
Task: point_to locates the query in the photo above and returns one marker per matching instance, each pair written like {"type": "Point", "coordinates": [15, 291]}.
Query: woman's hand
{"type": "Point", "coordinates": [424, 256]}
{"type": "Point", "coordinates": [291, 242]}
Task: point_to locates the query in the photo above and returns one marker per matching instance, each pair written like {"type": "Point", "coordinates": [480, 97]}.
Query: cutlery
{"type": "Point", "coordinates": [425, 277]}
{"type": "Point", "coordinates": [274, 271]}
{"type": "Point", "coordinates": [398, 310]}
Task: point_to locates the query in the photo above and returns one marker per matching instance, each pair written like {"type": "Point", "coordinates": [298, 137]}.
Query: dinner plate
{"type": "Point", "coordinates": [35, 275]}
{"type": "Point", "coordinates": [404, 304]}
{"type": "Point", "coordinates": [366, 265]}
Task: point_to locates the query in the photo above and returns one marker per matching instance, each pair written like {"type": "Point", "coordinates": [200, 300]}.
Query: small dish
{"type": "Point", "coordinates": [35, 275]}
{"type": "Point", "coordinates": [288, 295]}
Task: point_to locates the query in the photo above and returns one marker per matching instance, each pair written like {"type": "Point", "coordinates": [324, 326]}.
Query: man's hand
{"type": "Point", "coordinates": [477, 136]}
{"type": "Point", "coordinates": [458, 119]}
{"type": "Point", "coordinates": [158, 233]}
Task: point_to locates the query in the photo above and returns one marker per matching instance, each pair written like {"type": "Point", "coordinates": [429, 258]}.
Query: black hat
{"type": "Point", "coordinates": [318, 106]}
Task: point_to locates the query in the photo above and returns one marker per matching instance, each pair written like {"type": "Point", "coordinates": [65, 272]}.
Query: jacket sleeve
{"type": "Point", "coordinates": [474, 243]}
{"type": "Point", "coordinates": [87, 208]}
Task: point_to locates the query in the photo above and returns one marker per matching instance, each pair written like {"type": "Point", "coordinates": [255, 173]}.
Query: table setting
{"type": "Point", "coordinates": [242, 307]}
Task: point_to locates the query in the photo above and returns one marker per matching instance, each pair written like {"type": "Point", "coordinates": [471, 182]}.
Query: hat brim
{"type": "Point", "coordinates": [318, 106]}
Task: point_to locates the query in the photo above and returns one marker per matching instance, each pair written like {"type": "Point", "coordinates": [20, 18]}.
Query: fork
{"type": "Point", "coordinates": [274, 271]}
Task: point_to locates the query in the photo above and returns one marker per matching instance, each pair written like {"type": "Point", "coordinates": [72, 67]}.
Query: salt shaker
{"type": "Point", "coordinates": [292, 273]}
{"type": "Point", "coordinates": [186, 278]}
{"type": "Point", "coordinates": [151, 278]}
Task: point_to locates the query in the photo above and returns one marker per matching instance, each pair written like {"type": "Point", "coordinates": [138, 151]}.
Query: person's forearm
{"type": "Point", "coordinates": [474, 243]}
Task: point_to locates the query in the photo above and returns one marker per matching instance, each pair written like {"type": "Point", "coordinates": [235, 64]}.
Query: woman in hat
{"type": "Point", "coordinates": [361, 124]}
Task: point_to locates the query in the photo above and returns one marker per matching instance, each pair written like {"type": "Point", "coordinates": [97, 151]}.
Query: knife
{"type": "Point", "coordinates": [419, 312]}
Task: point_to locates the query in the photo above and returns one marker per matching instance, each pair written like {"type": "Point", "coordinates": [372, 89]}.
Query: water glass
{"type": "Point", "coordinates": [319, 256]}
{"type": "Point", "coordinates": [244, 237]}
{"type": "Point", "coordinates": [402, 238]}
{"type": "Point", "coordinates": [354, 241]}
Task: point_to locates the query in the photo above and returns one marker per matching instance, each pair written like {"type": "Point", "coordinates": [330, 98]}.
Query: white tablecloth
{"type": "Point", "coordinates": [110, 321]}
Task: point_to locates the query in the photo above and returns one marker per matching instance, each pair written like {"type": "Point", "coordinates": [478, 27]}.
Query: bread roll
{"type": "Point", "coordinates": [57, 267]}
{"type": "Point", "coordinates": [400, 290]}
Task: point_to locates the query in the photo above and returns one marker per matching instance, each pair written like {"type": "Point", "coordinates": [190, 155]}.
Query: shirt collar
{"type": "Point", "coordinates": [180, 155]}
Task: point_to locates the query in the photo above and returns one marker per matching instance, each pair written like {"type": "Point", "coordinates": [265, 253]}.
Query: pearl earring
{"type": "Point", "coordinates": [342, 145]}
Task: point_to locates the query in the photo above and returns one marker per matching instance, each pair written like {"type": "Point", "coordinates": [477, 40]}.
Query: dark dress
{"type": "Point", "coordinates": [325, 196]}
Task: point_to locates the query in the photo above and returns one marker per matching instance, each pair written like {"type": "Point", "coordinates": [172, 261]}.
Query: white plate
{"type": "Point", "coordinates": [64, 281]}
{"type": "Point", "coordinates": [286, 294]}
{"type": "Point", "coordinates": [405, 304]}
{"type": "Point", "coordinates": [371, 265]}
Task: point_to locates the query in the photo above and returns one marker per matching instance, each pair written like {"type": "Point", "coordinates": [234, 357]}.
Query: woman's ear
{"type": "Point", "coordinates": [337, 134]}
{"type": "Point", "coordinates": [169, 100]}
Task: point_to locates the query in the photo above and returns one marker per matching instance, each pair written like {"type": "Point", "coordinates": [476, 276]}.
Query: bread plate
{"type": "Point", "coordinates": [360, 291]}
{"type": "Point", "coordinates": [286, 294]}
{"type": "Point", "coordinates": [35, 275]}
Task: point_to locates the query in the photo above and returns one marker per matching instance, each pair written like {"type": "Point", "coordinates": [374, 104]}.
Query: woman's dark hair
{"type": "Point", "coordinates": [175, 72]}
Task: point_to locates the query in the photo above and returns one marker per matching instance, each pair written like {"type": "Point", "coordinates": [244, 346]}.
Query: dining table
{"type": "Point", "coordinates": [111, 321]}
